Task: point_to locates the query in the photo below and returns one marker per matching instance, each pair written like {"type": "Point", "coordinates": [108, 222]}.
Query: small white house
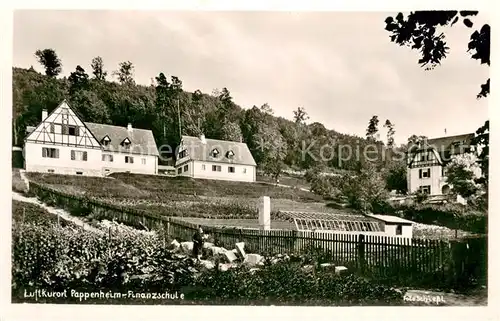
{"type": "Point", "coordinates": [62, 143]}
{"type": "Point", "coordinates": [394, 226]}
{"type": "Point", "coordinates": [200, 157]}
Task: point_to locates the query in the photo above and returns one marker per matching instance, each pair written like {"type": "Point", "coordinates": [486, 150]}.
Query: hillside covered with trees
{"type": "Point", "coordinates": [113, 97]}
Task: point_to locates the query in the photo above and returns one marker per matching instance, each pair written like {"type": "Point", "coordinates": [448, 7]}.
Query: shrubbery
{"type": "Point", "coordinates": [288, 283]}
{"type": "Point", "coordinates": [454, 216]}
{"type": "Point", "coordinates": [50, 256]}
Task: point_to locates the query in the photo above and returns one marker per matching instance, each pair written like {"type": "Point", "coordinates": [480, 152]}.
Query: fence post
{"type": "Point", "coordinates": [361, 252]}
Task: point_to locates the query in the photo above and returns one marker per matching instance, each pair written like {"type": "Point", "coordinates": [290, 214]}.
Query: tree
{"type": "Point", "coordinates": [78, 80]}
{"type": "Point", "coordinates": [125, 73]}
{"type": "Point", "coordinates": [372, 129]}
{"type": "Point", "coordinates": [395, 178]}
{"type": "Point", "coordinates": [300, 115]}
{"type": "Point", "coordinates": [98, 69]}
{"type": "Point", "coordinates": [90, 106]}
{"type": "Point", "coordinates": [419, 31]}
{"type": "Point", "coordinates": [482, 141]}
{"type": "Point", "coordinates": [231, 132]}
{"type": "Point", "coordinates": [49, 60]}
{"type": "Point", "coordinates": [168, 106]}
{"type": "Point", "coordinates": [462, 173]}
{"type": "Point", "coordinates": [266, 109]}
{"type": "Point", "coordinates": [415, 140]}
{"type": "Point", "coordinates": [390, 133]}
{"type": "Point", "coordinates": [365, 191]}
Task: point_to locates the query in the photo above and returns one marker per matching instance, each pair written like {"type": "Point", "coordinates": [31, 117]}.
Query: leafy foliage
{"type": "Point", "coordinates": [50, 61]}
{"type": "Point", "coordinates": [482, 141]}
{"type": "Point", "coordinates": [462, 173]}
{"type": "Point", "coordinates": [419, 30]}
{"type": "Point", "coordinates": [395, 177]}
{"type": "Point", "coordinates": [390, 133]}
{"type": "Point", "coordinates": [372, 128]}
{"type": "Point", "coordinates": [125, 73]}
{"type": "Point", "coordinates": [365, 191]}
{"type": "Point", "coordinates": [98, 69]}
{"type": "Point", "coordinates": [288, 283]}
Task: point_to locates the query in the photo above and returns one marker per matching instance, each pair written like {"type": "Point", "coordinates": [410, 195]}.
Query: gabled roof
{"type": "Point", "coordinates": [143, 141]}
{"type": "Point", "coordinates": [445, 146]}
{"type": "Point", "coordinates": [199, 151]}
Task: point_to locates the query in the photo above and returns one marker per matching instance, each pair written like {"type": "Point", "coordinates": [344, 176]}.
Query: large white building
{"type": "Point", "coordinates": [62, 143]}
{"type": "Point", "coordinates": [427, 162]}
{"type": "Point", "coordinates": [200, 157]}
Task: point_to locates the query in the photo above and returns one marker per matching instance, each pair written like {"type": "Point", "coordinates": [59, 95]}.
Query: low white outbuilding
{"type": "Point", "coordinates": [394, 226]}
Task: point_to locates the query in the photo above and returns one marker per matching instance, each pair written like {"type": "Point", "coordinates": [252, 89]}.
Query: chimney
{"type": "Point", "coordinates": [202, 138]}
{"type": "Point", "coordinates": [45, 114]}
{"type": "Point", "coordinates": [129, 127]}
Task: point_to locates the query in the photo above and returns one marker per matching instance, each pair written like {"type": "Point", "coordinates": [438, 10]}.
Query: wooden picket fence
{"type": "Point", "coordinates": [391, 258]}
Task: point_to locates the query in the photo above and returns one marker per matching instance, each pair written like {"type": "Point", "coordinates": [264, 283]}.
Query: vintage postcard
{"type": "Point", "coordinates": [250, 158]}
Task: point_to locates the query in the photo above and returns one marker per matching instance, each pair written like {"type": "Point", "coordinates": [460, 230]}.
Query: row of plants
{"type": "Point", "coordinates": [158, 188]}
{"type": "Point", "coordinates": [23, 212]}
{"type": "Point", "coordinates": [83, 206]}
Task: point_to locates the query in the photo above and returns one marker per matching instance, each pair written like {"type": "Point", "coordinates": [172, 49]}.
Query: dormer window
{"type": "Point", "coordinates": [126, 143]}
{"type": "Point", "coordinates": [106, 140]}
{"type": "Point", "coordinates": [230, 154]}
{"type": "Point", "coordinates": [215, 152]}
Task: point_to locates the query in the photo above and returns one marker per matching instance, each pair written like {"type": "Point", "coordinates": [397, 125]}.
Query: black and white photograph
{"type": "Point", "coordinates": [250, 158]}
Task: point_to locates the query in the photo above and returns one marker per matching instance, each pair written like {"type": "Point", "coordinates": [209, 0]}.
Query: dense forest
{"type": "Point", "coordinates": [275, 142]}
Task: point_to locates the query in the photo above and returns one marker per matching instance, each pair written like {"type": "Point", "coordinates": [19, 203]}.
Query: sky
{"type": "Point", "coordinates": [339, 66]}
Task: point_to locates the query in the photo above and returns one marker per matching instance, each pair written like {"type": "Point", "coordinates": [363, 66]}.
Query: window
{"type": "Point", "coordinates": [106, 141]}
{"type": "Point", "coordinates": [183, 154]}
{"type": "Point", "coordinates": [216, 168]}
{"type": "Point", "coordinates": [186, 167]}
{"type": "Point", "coordinates": [143, 161]}
{"type": "Point", "coordinates": [50, 171]}
{"type": "Point", "coordinates": [230, 169]}
{"type": "Point", "coordinates": [52, 130]}
{"type": "Point", "coordinates": [179, 170]}
{"type": "Point", "coordinates": [107, 158]}
{"type": "Point", "coordinates": [73, 130]}
{"type": "Point", "coordinates": [129, 160]}
{"type": "Point", "coordinates": [50, 152]}
{"type": "Point", "coordinates": [244, 170]}
{"type": "Point", "coordinates": [425, 189]}
{"type": "Point", "coordinates": [203, 167]}
{"type": "Point", "coordinates": [399, 229]}
{"type": "Point", "coordinates": [230, 154]}
{"type": "Point", "coordinates": [79, 173]}
{"type": "Point", "coordinates": [424, 157]}
{"type": "Point", "coordinates": [78, 155]}
{"type": "Point", "coordinates": [424, 173]}
{"type": "Point", "coordinates": [215, 152]}
{"type": "Point", "coordinates": [126, 143]}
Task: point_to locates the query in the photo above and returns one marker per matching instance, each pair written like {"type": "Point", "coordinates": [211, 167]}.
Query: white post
{"type": "Point", "coordinates": [265, 213]}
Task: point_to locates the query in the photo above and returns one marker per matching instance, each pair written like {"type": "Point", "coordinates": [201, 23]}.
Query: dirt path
{"type": "Point", "coordinates": [56, 211]}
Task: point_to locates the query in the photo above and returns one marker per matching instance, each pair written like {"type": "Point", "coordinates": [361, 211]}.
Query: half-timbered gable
{"type": "Point", "coordinates": [62, 143]}
{"type": "Point", "coordinates": [63, 127]}
{"type": "Point", "coordinates": [427, 162]}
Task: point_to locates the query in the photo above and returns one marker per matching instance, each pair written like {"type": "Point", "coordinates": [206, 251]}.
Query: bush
{"type": "Point", "coordinates": [288, 283]}
{"type": "Point", "coordinates": [453, 216]}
